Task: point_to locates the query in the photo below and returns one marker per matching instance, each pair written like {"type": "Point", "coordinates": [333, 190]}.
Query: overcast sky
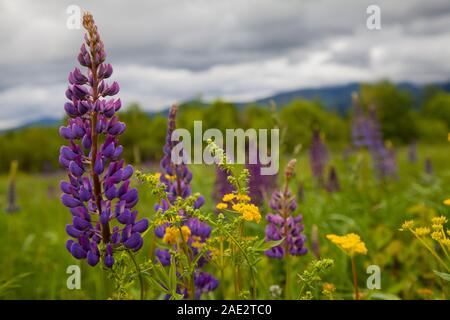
{"type": "Point", "coordinates": [164, 51]}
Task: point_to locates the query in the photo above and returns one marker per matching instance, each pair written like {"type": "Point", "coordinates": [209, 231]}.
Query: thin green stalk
{"type": "Point", "coordinates": [431, 251]}
{"type": "Point", "coordinates": [355, 279]}
{"type": "Point", "coordinates": [138, 269]}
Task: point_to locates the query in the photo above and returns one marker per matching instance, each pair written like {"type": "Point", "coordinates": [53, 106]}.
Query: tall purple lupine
{"type": "Point", "coordinates": [283, 224]}
{"type": "Point", "coordinates": [318, 156]}
{"type": "Point", "coordinates": [99, 184]}
{"type": "Point", "coordinates": [177, 179]}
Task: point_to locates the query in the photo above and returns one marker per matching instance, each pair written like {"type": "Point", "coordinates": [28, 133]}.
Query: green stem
{"type": "Point", "coordinates": [431, 251]}
{"type": "Point", "coordinates": [287, 286]}
{"type": "Point", "coordinates": [138, 269]}
{"type": "Point", "coordinates": [355, 279]}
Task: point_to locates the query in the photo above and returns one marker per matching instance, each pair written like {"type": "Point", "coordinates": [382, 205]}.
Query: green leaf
{"type": "Point", "coordinates": [268, 245]}
{"type": "Point", "coordinates": [443, 275]}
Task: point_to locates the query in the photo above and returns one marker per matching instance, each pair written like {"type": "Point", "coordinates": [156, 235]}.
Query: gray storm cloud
{"type": "Point", "coordinates": [165, 51]}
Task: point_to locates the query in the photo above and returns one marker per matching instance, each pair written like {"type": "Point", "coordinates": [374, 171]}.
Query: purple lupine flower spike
{"type": "Point", "coordinates": [359, 123]}
{"type": "Point", "coordinates": [259, 186]}
{"type": "Point", "coordinates": [98, 182]}
{"type": "Point", "coordinates": [177, 178]}
{"type": "Point", "coordinates": [318, 156]}
{"type": "Point", "coordinates": [283, 224]}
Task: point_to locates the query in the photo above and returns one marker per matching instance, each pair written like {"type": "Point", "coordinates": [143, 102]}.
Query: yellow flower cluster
{"type": "Point", "coordinates": [249, 211]}
{"type": "Point", "coordinates": [169, 177]}
{"type": "Point", "coordinates": [240, 203]}
{"type": "Point", "coordinates": [172, 235]}
{"type": "Point", "coordinates": [350, 243]}
{"type": "Point", "coordinates": [447, 202]}
{"type": "Point", "coordinates": [437, 230]}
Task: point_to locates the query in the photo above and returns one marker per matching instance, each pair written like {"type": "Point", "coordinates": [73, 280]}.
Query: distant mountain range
{"type": "Point", "coordinates": [336, 98]}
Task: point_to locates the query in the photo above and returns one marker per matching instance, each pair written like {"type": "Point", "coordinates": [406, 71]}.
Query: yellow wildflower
{"type": "Point", "coordinates": [437, 227]}
{"type": "Point", "coordinates": [350, 243]}
{"type": "Point", "coordinates": [243, 198]}
{"type": "Point", "coordinates": [172, 235]}
{"type": "Point", "coordinates": [425, 292]}
{"type": "Point", "coordinates": [221, 206]}
{"type": "Point", "coordinates": [439, 220]}
{"type": "Point", "coordinates": [446, 242]}
{"type": "Point", "coordinates": [421, 231]}
{"type": "Point", "coordinates": [228, 197]}
{"type": "Point", "coordinates": [437, 235]}
{"type": "Point", "coordinates": [169, 177]}
{"type": "Point", "coordinates": [249, 211]}
{"type": "Point", "coordinates": [197, 242]}
{"type": "Point", "coordinates": [328, 287]}
{"type": "Point", "coordinates": [447, 202]}
{"type": "Point", "coordinates": [407, 225]}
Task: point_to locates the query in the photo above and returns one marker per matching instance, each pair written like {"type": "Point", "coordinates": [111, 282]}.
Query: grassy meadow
{"type": "Point", "coordinates": [33, 257]}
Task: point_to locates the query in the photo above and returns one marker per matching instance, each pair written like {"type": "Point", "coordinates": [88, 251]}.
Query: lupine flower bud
{"type": "Point", "coordinates": [98, 183]}
{"type": "Point", "coordinates": [333, 181]}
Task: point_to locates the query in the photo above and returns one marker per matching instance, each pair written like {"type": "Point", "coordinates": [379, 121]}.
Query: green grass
{"type": "Point", "coordinates": [33, 257]}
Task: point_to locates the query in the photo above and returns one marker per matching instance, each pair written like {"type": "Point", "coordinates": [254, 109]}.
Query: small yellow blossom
{"type": "Point", "coordinates": [172, 235]}
{"type": "Point", "coordinates": [421, 231]}
{"type": "Point", "coordinates": [243, 198]}
{"type": "Point", "coordinates": [425, 292]}
{"type": "Point", "coordinates": [407, 225]}
{"type": "Point", "coordinates": [221, 206]}
{"type": "Point", "coordinates": [437, 227]}
{"type": "Point", "coordinates": [328, 287]}
{"type": "Point", "coordinates": [448, 136]}
{"type": "Point", "coordinates": [350, 243]}
{"type": "Point", "coordinates": [439, 220]}
{"type": "Point", "coordinates": [249, 211]}
{"type": "Point", "coordinates": [157, 175]}
{"type": "Point", "coordinates": [228, 197]}
{"type": "Point", "coordinates": [437, 235]}
{"type": "Point", "coordinates": [169, 177]}
{"type": "Point", "coordinates": [447, 202]}
{"type": "Point", "coordinates": [445, 242]}
{"type": "Point", "coordinates": [197, 242]}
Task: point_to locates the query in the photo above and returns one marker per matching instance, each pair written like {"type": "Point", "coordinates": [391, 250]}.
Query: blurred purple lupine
{"type": "Point", "coordinates": [366, 131]}
{"type": "Point", "coordinates": [177, 178]}
{"type": "Point", "coordinates": [412, 152]}
{"type": "Point", "coordinates": [99, 184]}
{"type": "Point", "coordinates": [333, 181]}
{"type": "Point", "coordinates": [259, 186]}
{"type": "Point", "coordinates": [318, 156]}
{"type": "Point", "coordinates": [428, 166]}
{"type": "Point", "coordinates": [283, 224]}
{"type": "Point", "coordinates": [359, 123]}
